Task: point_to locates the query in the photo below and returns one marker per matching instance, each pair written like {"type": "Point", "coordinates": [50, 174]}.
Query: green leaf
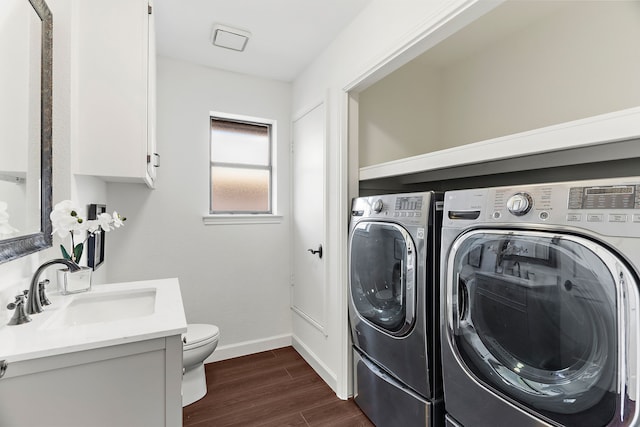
{"type": "Point", "coordinates": [77, 251]}
{"type": "Point", "coordinates": [65, 254]}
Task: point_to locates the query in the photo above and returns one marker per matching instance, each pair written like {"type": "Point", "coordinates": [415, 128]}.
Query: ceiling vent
{"type": "Point", "coordinates": [229, 38]}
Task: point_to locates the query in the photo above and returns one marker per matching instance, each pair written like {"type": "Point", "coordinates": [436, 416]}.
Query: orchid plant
{"type": "Point", "coordinates": [66, 221]}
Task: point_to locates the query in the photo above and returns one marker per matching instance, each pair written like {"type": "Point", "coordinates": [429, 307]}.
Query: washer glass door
{"type": "Point", "coordinates": [382, 276]}
{"type": "Point", "coordinates": [533, 316]}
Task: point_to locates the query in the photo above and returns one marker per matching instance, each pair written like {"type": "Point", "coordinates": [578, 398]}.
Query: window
{"type": "Point", "coordinates": [241, 166]}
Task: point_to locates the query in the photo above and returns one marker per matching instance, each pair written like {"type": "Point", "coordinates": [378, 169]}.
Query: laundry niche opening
{"type": "Point", "coordinates": [521, 66]}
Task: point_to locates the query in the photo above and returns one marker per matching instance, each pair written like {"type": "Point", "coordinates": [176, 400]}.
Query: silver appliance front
{"type": "Point", "coordinates": [393, 302]}
{"type": "Point", "coordinates": [385, 400]}
{"type": "Point", "coordinates": [541, 299]}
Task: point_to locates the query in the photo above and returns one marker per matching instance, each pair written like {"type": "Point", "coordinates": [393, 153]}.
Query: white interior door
{"type": "Point", "coordinates": [308, 219]}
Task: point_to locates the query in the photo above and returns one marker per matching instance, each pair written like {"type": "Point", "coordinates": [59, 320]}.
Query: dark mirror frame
{"type": "Point", "coordinates": [20, 246]}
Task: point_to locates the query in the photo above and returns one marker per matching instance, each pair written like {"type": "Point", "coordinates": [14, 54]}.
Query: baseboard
{"type": "Point", "coordinates": [321, 369]}
{"type": "Point", "coordinates": [249, 347]}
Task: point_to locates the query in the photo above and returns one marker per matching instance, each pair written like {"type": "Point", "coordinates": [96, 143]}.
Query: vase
{"type": "Point", "coordinates": [70, 282]}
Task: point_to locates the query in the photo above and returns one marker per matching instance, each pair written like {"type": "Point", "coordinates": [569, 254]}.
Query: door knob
{"type": "Point", "coordinates": [316, 251]}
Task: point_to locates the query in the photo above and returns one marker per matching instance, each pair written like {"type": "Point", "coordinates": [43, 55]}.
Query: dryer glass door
{"type": "Point", "coordinates": [534, 316]}
{"type": "Point", "coordinates": [382, 270]}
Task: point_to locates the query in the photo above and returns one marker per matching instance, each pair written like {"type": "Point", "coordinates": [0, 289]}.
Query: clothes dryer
{"type": "Point", "coordinates": [541, 304]}
{"type": "Point", "coordinates": [394, 308]}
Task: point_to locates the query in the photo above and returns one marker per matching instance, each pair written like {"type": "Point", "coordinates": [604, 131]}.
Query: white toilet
{"type": "Point", "coordinates": [199, 342]}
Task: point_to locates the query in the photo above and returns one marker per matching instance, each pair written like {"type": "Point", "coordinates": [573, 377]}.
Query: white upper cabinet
{"type": "Point", "coordinates": [114, 102]}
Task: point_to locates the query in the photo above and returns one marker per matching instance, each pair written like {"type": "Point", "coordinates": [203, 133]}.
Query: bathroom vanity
{"type": "Point", "coordinates": [110, 356]}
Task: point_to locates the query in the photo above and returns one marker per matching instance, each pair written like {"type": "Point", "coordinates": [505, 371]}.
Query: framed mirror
{"type": "Point", "coordinates": [26, 40]}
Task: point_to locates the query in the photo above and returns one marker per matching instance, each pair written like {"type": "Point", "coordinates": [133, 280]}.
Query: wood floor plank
{"type": "Point", "coordinates": [269, 389]}
{"type": "Point", "coordinates": [247, 400]}
{"type": "Point", "coordinates": [251, 381]}
{"type": "Point", "coordinates": [294, 420]}
{"type": "Point", "coordinates": [340, 413]}
{"type": "Point", "coordinates": [262, 362]}
{"type": "Point", "coordinates": [301, 370]}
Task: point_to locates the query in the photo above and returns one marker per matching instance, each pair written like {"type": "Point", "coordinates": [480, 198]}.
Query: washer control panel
{"type": "Point", "coordinates": [520, 203]}
{"type": "Point", "coordinates": [607, 206]}
{"type": "Point", "coordinates": [517, 202]}
{"type": "Point", "coordinates": [605, 197]}
{"type": "Point", "coordinates": [378, 205]}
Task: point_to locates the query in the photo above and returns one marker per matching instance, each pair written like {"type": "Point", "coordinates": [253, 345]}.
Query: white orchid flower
{"type": "Point", "coordinates": [92, 226]}
{"type": "Point", "coordinates": [105, 221]}
{"type": "Point", "coordinates": [118, 220]}
{"type": "Point", "coordinates": [64, 218]}
{"type": "Point", "coordinates": [66, 207]}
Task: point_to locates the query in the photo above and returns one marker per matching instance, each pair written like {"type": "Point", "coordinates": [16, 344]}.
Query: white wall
{"type": "Point", "coordinates": [233, 276]}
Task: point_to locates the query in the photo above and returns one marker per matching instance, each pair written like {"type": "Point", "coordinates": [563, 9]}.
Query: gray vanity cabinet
{"type": "Point", "coordinates": [135, 384]}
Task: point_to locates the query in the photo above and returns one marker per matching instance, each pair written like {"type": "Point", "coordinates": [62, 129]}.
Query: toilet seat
{"type": "Point", "coordinates": [199, 334]}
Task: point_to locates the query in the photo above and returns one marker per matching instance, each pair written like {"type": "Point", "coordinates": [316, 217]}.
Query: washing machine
{"type": "Point", "coordinates": [540, 304]}
{"type": "Point", "coordinates": [394, 308]}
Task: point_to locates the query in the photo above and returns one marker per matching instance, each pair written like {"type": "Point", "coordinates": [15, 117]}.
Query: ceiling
{"type": "Point", "coordinates": [287, 35]}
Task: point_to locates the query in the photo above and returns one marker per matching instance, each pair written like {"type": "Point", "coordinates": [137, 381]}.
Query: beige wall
{"type": "Point", "coordinates": [399, 116]}
{"type": "Point", "coordinates": [579, 61]}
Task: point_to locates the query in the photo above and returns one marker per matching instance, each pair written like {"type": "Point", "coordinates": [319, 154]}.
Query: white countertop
{"type": "Point", "coordinates": [37, 339]}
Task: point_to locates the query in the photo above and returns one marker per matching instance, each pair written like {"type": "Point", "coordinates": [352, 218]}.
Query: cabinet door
{"type": "Point", "coordinates": [153, 158]}
{"type": "Point", "coordinates": [113, 90]}
{"type": "Point", "coordinates": [135, 384]}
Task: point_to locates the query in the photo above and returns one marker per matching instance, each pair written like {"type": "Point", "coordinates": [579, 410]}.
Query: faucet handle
{"type": "Point", "coordinates": [20, 298]}
{"type": "Point", "coordinates": [43, 297]}
{"type": "Point", "coordinates": [19, 316]}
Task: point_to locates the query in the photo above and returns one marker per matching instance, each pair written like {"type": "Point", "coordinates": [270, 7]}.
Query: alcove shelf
{"type": "Point", "coordinates": [603, 145]}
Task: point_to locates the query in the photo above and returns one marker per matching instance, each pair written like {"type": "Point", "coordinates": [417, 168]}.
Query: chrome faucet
{"type": "Point", "coordinates": [34, 305]}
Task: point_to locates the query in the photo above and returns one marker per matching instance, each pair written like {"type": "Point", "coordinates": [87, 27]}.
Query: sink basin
{"type": "Point", "coordinates": [105, 307]}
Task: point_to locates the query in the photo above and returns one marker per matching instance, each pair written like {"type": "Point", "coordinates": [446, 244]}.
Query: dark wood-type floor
{"type": "Point", "coordinates": [272, 388]}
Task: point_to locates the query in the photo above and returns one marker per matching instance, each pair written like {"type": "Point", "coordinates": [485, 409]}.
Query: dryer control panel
{"type": "Point", "coordinates": [410, 208]}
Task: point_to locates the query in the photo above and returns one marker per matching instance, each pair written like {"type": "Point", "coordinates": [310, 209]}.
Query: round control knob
{"type": "Point", "coordinates": [377, 206]}
{"type": "Point", "coordinates": [519, 204]}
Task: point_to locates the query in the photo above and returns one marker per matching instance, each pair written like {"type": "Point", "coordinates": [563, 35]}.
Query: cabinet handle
{"type": "Point", "coordinates": [3, 367]}
{"type": "Point", "coordinates": [156, 157]}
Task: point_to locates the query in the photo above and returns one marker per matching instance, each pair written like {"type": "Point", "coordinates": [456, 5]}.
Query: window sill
{"type": "Point", "coordinates": [241, 219]}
